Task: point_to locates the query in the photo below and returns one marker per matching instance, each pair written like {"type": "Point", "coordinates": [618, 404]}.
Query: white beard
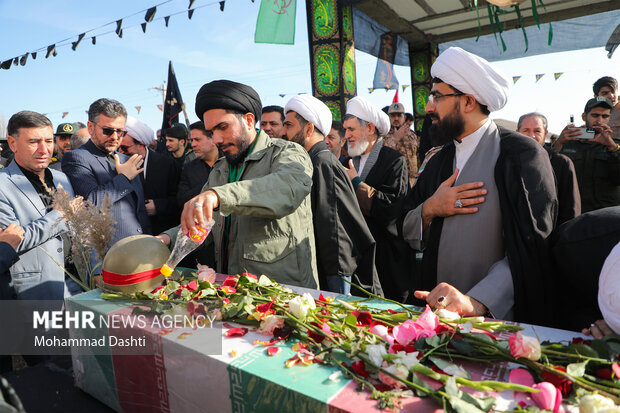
{"type": "Point", "coordinates": [359, 148]}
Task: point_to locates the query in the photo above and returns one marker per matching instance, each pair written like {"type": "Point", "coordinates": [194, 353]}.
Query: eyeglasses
{"type": "Point", "coordinates": [434, 96]}
{"type": "Point", "coordinates": [125, 148]}
{"type": "Point", "coordinates": [109, 131]}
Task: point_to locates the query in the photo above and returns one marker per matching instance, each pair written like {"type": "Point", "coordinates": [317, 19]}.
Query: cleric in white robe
{"type": "Point", "coordinates": [483, 207]}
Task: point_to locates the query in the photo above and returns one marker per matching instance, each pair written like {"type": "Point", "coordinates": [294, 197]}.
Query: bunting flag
{"type": "Point", "coordinates": [160, 107]}
{"type": "Point", "coordinates": [94, 40]}
{"type": "Point", "coordinates": [64, 114]}
{"type": "Point", "coordinates": [190, 13]}
{"type": "Point", "coordinates": [276, 22]}
{"type": "Point", "coordinates": [395, 100]}
{"type": "Point", "coordinates": [173, 103]}
{"type": "Point", "coordinates": [167, 19]}
{"type": "Point", "coordinates": [16, 61]}
{"type": "Point", "coordinates": [539, 76]}
{"type": "Point", "coordinates": [150, 13]}
{"type": "Point", "coordinates": [119, 30]}
{"type": "Point", "coordinates": [34, 55]}
{"type": "Point", "coordinates": [50, 50]}
{"type": "Point", "coordinates": [143, 27]}
{"type": "Point", "coordinates": [138, 109]}
{"type": "Point", "coordinates": [222, 3]}
{"type": "Point", "coordinates": [74, 45]}
{"type": "Point", "coordinates": [515, 78]}
{"type": "Point", "coordinates": [370, 90]}
{"type": "Point", "coordinates": [22, 61]}
{"type": "Point", "coordinates": [282, 95]}
{"type": "Point", "coordinates": [557, 75]}
{"type": "Point", "coordinates": [191, 3]}
{"type": "Point", "coordinates": [405, 87]}
{"type": "Point", "coordinates": [384, 73]}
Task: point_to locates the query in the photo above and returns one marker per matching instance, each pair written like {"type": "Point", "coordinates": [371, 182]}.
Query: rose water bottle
{"type": "Point", "coordinates": [184, 245]}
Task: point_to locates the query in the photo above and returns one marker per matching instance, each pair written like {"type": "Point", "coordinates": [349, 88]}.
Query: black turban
{"type": "Point", "coordinates": [226, 94]}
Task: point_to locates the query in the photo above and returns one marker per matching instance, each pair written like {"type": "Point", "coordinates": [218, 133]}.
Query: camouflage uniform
{"type": "Point", "coordinates": [408, 146]}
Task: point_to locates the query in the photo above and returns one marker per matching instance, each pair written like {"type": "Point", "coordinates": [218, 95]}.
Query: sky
{"type": "Point", "coordinates": [220, 45]}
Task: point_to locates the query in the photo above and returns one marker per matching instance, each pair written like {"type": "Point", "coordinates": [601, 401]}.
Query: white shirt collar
{"type": "Point", "coordinates": [146, 159]}
{"type": "Point", "coordinates": [468, 144]}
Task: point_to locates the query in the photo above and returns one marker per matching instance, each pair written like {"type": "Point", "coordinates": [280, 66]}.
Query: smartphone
{"type": "Point", "coordinates": [586, 133]}
{"type": "Point", "coordinates": [572, 119]}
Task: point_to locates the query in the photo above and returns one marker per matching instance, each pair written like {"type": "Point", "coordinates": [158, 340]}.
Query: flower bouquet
{"type": "Point", "coordinates": [395, 351]}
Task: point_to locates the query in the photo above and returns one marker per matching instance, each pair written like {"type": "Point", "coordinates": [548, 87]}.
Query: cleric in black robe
{"type": "Point", "coordinates": [484, 228]}
{"type": "Point", "coordinates": [345, 247]}
{"type": "Point", "coordinates": [379, 176]}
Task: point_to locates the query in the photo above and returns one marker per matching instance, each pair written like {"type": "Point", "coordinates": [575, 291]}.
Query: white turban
{"type": "Point", "coordinates": [140, 131]}
{"type": "Point", "coordinates": [363, 109]}
{"type": "Point", "coordinates": [312, 110]}
{"type": "Point", "coordinates": [473, 75]}
{"type": "Point", "coordinates": [609, 289]}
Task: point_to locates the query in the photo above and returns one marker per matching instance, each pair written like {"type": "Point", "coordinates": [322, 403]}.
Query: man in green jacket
{"type": "Point", "coordinates": [257, 194]}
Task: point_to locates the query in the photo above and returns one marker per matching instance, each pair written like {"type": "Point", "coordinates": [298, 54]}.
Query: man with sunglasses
{"type": "Point", "coordinates": [96, 170]}
{"type": "Point", "coordinates": [483, 207]}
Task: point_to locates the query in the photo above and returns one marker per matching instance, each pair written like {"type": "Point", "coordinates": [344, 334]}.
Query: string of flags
{"type": "Point", "coordinates": [538, 76]}
{"type": "Point", "coordinates": [149, 17]}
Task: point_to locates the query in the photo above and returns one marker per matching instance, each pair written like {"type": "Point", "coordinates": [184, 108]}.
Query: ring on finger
{"type": "Point", "coordinates": [458, 204]}
{"type": "Point", "coordinates": [441, 302]}
{"type": "Point", "coordinates": [197, 204]}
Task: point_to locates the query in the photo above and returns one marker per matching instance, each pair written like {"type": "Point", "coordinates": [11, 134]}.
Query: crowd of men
{"type": "Point", "coordinates": [485, 222]}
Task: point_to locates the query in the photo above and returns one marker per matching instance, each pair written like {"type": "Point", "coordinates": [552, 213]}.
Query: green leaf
{"type": "Point", "coordinates": [601, 348]}
{"type": "Point", "coordinates": [583, 349]}
{"type": "Point", "coordinates": [449, 368]}
{"type": "Point", "coordinates": [518, 10]}
{"type": "Point", "coordinates": [417, 380]}
{"type": "Point", "coordinates": [451, 388]}
{"type": "Point", "coordinates": [461, 406]}
{"type": "Point", "coordinates": [463, 346]}
{"type": "Point", "coordinates": [351, 320]}
{"type": "Point", "coordinates": [535, 14]}
{"type": "Point", "coordinates": [484, 404]}
{"type": "Point", "coordinates": [577, 369]}
{"type": "Point", "coordinates": [264, 281]}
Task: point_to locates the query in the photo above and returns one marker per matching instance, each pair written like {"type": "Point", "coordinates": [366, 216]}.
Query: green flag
{"type": "Point", "coordinates": [276, 22]}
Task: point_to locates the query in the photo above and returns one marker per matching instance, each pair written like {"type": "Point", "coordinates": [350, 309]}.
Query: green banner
{"type": "Point", "coordinates": [276, 22]}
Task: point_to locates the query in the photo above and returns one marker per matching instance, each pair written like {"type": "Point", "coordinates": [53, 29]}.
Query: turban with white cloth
{"type": "Point", "coordinates": [312, 110]}
{"type": "Point", "coordinates": [363, 109]}
{"type": "Point", "coordinates": [140, 131]}
{"type": "Point", "coordinates": [473, 75]}
{"type": "Point", "coordinates": [609, 289]}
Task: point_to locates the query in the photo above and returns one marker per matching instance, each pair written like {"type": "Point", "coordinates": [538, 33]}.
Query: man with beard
{"type": "Point", "coordinates": [257, 194]}
{"type": "Point", "coordinates": [344, 244]}
{"type": "Point", "coordinates": [381, 184]}
{"type": "Point", "coordinates": [159, 178]}
{"type": "Point", "coordinates": [484, 206]}
{"type": "Point", "coordinates": [96, 170]}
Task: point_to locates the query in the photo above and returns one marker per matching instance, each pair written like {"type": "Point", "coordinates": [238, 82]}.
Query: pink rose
{"type": "Point", "coordinates": [524, 346]}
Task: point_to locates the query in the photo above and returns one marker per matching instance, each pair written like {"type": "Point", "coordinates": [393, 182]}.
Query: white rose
{"type": "Point", "coordinates": [595, 403]}
{"type": "Point", "coordinates": [375, 353]}
{"type": "Point", "coordinates": [270, 323]}
{"type": "Point", "coordinates": [398, 370]}
{"type": "Point", "coordinates": [407, 359]}
{"type": "Point", "coordinates": [447, 314]}
{"type": "Point", "coordinates": [300, 305]}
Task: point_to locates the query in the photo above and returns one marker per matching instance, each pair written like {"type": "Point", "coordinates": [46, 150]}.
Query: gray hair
{"type": "Point", "coordinates": [107, 107]}
{"type": "Point", "coordinates": [26, 119]}
{"type": "Point", "coordinates": [527, 115]}
{"type": "Point", "coordinates": [78, 139]}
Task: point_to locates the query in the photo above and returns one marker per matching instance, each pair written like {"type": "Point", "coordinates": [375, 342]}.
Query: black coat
{"type": "Point", "coordinates": [379, 197]}
{"type": "Point", "coordinates": [344, 244]}
{"type": "Point", "coordinates": [568, 189]}
{"type": "Point", "coordinates": [579, 248]}
{"type": "Point", "coordinates": [193, 177]}
{"type": "Point", "coordinates": [162, 180]}
{"type": "Point", "coordinates": [528, 202]}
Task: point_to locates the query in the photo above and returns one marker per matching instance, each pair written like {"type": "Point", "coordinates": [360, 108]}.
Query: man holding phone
{"type": "Point", "coordinates": [595, 154]}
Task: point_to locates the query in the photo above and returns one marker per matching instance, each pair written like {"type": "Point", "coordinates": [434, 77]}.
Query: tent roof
{"type": "Point", "coordinates": [447, 21]}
